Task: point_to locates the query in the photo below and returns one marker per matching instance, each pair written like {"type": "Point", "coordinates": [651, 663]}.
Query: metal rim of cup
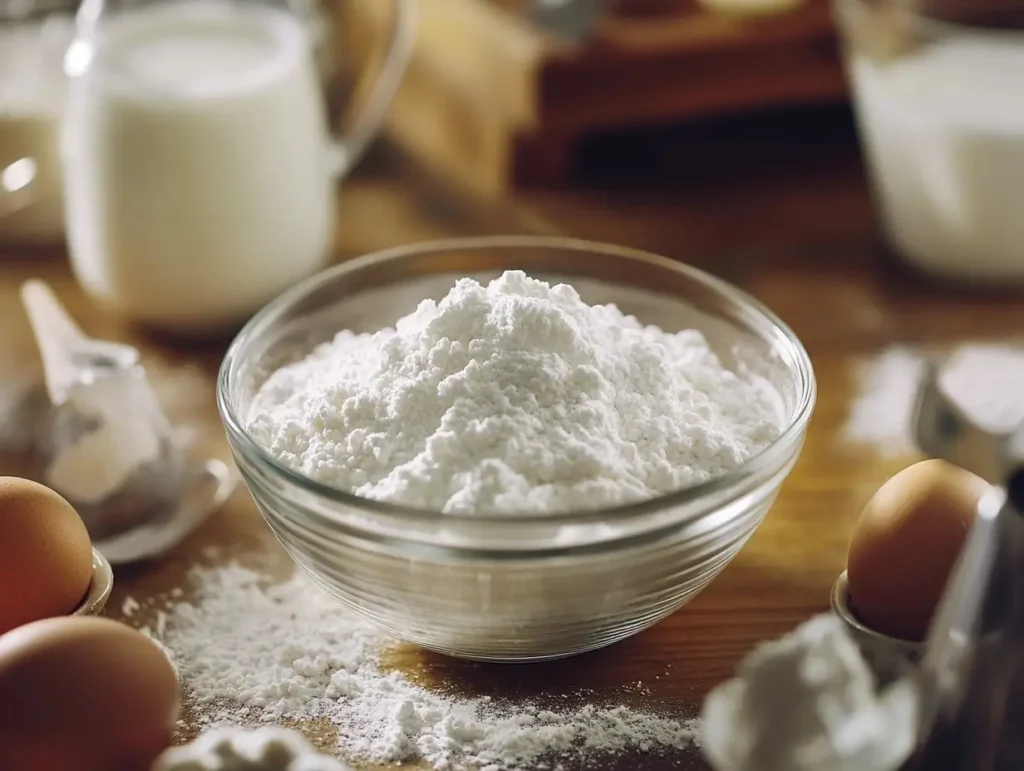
{"type": "Point", "coordinates": [840, 603]}
{"type": "Point", "coordinates": [99, 587]}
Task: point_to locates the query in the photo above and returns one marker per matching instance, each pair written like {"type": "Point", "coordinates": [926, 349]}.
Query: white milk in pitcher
{"type": "Point", "coordinates": [943, 130]}
{"type": "Point", "coordinates": [196, 145]}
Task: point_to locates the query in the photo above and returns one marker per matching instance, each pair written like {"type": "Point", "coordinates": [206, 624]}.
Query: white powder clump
{"type": "Point", "coordinates": [514, 396]}
{"type": "Point", "coordinates": [985, 379]}
{"type": "Point", "coordinates": [262, 749]}
{"type": "Point", "coordinates": [808, 702]}
{"type": "Point", "coordinates": [249, 654]}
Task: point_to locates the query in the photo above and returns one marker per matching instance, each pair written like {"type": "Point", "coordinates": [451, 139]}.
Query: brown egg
{"type": "Point", "coordinates": [45, 554]}
{"type": "Point", "coordinates": [84, 694]}
{"type": "Point", "coordinates": [906, 543]}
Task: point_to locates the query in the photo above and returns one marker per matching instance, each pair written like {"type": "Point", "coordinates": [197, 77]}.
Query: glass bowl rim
{"type": "Point", "coordinates": [767, 459]}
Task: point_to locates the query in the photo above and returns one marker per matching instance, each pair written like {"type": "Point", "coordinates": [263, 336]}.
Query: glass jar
{"type": "Point", "coordinates": [937, 91]}
{"type": "Point", "coordinates": [33, 38]}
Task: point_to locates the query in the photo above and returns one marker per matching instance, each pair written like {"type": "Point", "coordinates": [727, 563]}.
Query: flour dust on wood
{"type": "Point", "coordinates": [251, 654]}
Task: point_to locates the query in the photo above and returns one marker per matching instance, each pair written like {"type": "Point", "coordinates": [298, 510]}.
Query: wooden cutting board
{"type": "Point", "coordinates": [494, 103]}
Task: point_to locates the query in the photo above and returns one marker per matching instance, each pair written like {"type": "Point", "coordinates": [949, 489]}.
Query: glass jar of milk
{"type": "Point", "coordinates": [938, 90]}
{"type": "Point", "coordinates": [199, 171]}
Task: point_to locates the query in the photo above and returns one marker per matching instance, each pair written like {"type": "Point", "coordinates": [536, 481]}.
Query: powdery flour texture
{"type": "Point", "coordinates": [514, 396]}
{"type": "Point", "coordinates": [251, 654]}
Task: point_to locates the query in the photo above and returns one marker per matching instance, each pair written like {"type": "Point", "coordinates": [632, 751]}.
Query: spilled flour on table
{"type": "Point", "coordinates": [987, 380]}
{"type": "Point", "coordinates": [250, 654]}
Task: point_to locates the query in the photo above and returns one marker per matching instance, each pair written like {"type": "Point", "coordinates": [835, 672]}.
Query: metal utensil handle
{"type": "Point", "coordinates": [970, 680]}
{"type": "Point", "coordinates": [65, 349]}
{"type": "Point", "coordinates": [57, 336]}
{"type": "Point", "coordinates": [958, 617]}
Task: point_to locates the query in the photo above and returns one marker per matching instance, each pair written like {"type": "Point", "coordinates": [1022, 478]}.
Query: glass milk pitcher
{"type": "Point", "coordinates": [199, 171]}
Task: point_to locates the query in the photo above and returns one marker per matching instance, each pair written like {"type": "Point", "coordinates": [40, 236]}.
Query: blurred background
{"type": "Point", "coordinates": [694, 128]}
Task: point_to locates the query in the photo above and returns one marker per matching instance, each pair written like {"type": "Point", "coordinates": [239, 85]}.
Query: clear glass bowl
{"type": "Point", "coordinates": [532, 587]}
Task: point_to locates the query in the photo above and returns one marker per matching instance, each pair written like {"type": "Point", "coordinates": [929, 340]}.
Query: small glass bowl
{"type": "Point", "coordinates": [99, 587]}
{"type": "Point", "coordinates": [529, 587]}
{"type": "Point", "coordinates": [889, 657]}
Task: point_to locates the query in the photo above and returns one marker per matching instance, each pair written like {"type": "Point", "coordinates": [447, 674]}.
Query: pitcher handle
{"type": "Point", "coordinates": [17, 188]}
{"type": "Point", "coordinates": [349, 147]}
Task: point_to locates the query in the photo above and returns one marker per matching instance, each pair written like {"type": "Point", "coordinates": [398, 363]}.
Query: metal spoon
{"type": "Point", "coordinates": [109, 448]}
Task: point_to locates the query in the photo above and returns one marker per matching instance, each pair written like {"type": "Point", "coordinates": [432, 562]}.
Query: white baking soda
{"type": "Point", "coordinates": [944, 135]}
{"type": "Point", "coordinates": [515, 396]}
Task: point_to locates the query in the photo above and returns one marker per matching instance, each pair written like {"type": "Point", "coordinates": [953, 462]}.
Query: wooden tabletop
{"type": "Point", "coordinates": [780, 207]}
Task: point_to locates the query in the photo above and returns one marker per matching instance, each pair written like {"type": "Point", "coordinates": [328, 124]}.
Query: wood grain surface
{"type": "Point", "coordinates": [779, 207]}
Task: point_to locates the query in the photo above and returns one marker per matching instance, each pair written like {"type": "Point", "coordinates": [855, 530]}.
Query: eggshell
{"type": "Point", "coordinates": [45, 554]}
{"type": "Point", "coordinates": [84, 694]}
{"type": "Point", "coordinates": [906, 543]}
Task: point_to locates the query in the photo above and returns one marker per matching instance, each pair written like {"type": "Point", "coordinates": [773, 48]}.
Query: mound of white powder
{"type": "Point", "coordinates": [248, 654]}
{"type": "Point", "coordinates": [515, 396]}
{"type": "Point", "coordinates": [808, 702]}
